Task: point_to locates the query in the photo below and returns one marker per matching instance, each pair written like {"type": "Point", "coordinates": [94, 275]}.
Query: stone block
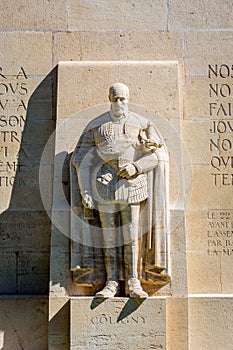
{"type": "Point", "coordinates": [118, 323]}
{"type": "Point", "coordinates": [150, 45]}
{"type": "Point", "coordinates": [177, 323]}
{"type": "Point", "coordinates": [121, 16]}
{"type": "Point", "coordinates": [208, 47]}
{"type": "Point", "coordinates": [204, 273]}
{"type": "Point", "coordinates": [80, 80]}
{"type": "Point", "coordinates": [179, 278]}
{"type": "Point", "coordinates": [59, 324]}
{"type": "Point", "coordinates": [226, 273]}
{"type": "Point", "coordinates": [86, 46]}
{"type": "Point", "coordinates": [33, 270]}
{"type": "Point", "coordinates": [24, 44]}
{"type": "Point", "coordinates": [23, 323]}
{"type": "Point", "coordinates": [39, 130]}
{"type": "Point", "coordinates": [199, 15]}
{"type": "Point", "coordinates": [26, 191]}
{"type": "Point", "coordinates": [196, 137]}
{"type": "Point", "coordinates": [176, 183]}
{"type": "Point", "coordinates": [210, 323]}
{"type": "Point", "coordinates": [60, 275]}
{"type": "Point", "coordinates": [203, 183]}
{"type": "Point", "coordinates": [24, 231]}
{"type": "Point", "coordinates": [41, 16]}
{"type": "Point", "coordinates": [196, 230]}
{"type": "Point", "coordinates": [8, 273]}
{"type": "Point", "coordinates": [197, 89]}
{"type": "Point", "coordinates": [209, 242]}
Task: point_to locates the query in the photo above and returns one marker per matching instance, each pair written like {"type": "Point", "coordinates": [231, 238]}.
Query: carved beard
{"type": "Point", "coordinates": [119, 110]}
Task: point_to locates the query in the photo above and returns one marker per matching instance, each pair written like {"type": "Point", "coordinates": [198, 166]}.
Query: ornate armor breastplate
{"type": "Point", "coordinates": [116, 147]}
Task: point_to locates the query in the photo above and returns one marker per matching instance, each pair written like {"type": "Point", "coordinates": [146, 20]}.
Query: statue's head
{"type": "Point", "coordinates": [119, 98]}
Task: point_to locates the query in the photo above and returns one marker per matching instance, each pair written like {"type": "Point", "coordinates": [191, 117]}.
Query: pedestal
{"type": "Point", "coordinates": [117, 323]}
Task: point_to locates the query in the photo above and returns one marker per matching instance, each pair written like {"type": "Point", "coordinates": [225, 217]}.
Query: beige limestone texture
{"type": "Point", "coordinates": [204, 273]}
{"type": "Point", "coordinates": [105, 15]}
{"type": "Point", "coordinates": [41, 16]}
{"type": "Point", "coordinates": [118, 323]}
{"type": "Point", "coordinates": [206, 47]}
{"type": "Point", "coordinates": [79, 46]}
{"type": "Point", "coordinates": [195, 137]}
{"type": "Point", "coordinates": [199, 15]}
{"type": "Point", "coordinates": [146, 79]}
{"type": "Point", "coordinates": [59, 324]}
{"type": "Point", "coordinates": [25, 44]}
{"type": "Point", "coordinates": [197, 34]}
{"type": "Point", "coordinates": [177, 323]}
{"type": "Point", "coordinates": [209, 248]}
{"type": "Point", "coordinates": [197, 230]}
{"type": "Point", "coordinates": [23, 323]}
{"type": "Point", "coordinates": [203, 184]}
{"type": "Point", "coordinates": [210, 322]}
{"type": "Point", "coordinates": [150, 45]}
{"type": "Point", "coordinates": [66, 46]}
{"type": "Point", "coordinates": [196, 89]}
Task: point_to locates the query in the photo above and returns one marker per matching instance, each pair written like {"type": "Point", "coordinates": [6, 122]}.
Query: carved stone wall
{"type": "Point", "coordinates": [33, 39]}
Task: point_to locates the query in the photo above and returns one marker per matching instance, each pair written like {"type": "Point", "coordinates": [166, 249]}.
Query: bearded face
{"type": "Point", "coordinates": [119, 106]}
{"type": "Point", "coordinates": [119, 98]}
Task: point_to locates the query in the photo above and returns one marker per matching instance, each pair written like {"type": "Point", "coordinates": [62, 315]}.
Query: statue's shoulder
{"type": "Point", "coordinates": [97, 121]}
{"type": "Point", "coordinates": [137, 119]}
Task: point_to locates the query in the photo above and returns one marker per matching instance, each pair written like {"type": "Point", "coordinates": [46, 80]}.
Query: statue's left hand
{"type": "Point", "coordinates": [127, 171]}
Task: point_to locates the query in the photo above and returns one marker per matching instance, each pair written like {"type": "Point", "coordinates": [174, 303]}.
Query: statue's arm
{"type": "Point", "coordinates": [149, 160]}
{"type": "Point", "coordinates": [83, 159]}
{"type": "Point", "coordinates": [146, 163]}
{"type": "Point", "coordinates": [142, 165]}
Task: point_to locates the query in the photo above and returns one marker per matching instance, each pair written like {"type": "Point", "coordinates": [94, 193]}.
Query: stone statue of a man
{"type": "Point", "coordinates": [113, 179]}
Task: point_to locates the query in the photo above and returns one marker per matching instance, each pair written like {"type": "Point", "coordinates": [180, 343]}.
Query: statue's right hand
{"type": "Point", "coordinates": [87, 201]}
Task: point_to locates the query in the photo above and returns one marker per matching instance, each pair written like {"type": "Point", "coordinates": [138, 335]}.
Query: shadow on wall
{"type": "Point", "coordinates": [25, 226]}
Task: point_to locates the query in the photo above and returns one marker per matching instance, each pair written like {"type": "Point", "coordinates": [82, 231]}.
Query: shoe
{"type": "Point", "coordinates": [135, 289]}
{"type": "Point", "coordinates": [109, 290]}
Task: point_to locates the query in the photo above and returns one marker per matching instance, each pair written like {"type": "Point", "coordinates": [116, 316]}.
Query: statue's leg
{"type": "Point", "coordinates": [107, 216]}
{"type": "Point", "coordinates": [130, 228]}
{"type": "Point", "coordinates": [108, 224]}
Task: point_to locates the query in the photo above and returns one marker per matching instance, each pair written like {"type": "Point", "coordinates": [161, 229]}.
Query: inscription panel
{"type": "Point", "coordinates": [26, 111]}
{"type": "Point", "coordinates": [118, 323]}
{"type": "Point", "coordinates": [14, 96]}
{"type": "Point", "coordinates": [220, 233]}
{"type": "Point", "coordinates": [220, 109]}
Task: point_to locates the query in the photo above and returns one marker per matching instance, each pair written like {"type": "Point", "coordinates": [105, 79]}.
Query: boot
{"type": "Point", "coordinates": [109, 291]}
{"type": "Point", "coordinates": [135, 289]}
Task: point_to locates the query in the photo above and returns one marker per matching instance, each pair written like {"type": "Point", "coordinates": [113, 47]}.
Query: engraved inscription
{"type": "Point", "coordinates": [104, 319]}
{"type": "Point", "coordinates": [220, 233]}
{"type": "Point", "coordinates": [14, 95]}
{"type": "Point", "coordinates": [221, 127]}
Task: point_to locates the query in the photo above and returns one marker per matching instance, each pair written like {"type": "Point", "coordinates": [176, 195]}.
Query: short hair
{"type": "Point", "coordinates": [119, 89]}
